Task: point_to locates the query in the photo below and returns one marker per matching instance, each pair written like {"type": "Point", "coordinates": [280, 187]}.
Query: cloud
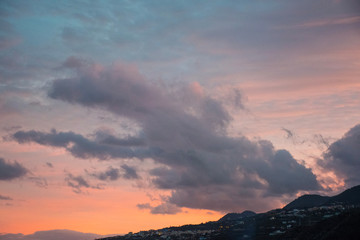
{"type": "Point", "coordinates": [113, 174]}
{"type": "Point", "coordinates": [51, 234]}
{"type": "Point", "coordinates": [194, 156]}
{"type": "Point", "coordinates": [82, 147]}
{"type": "Point", "coordinates": [11, 128]}
{"type": "Point", "coordinates": [343, 157]}
{"type": "Point", "coordinates": [321, 142]}
{"type": "Point", "coordinates": [144, 206]}
{"type": "Point", "coordinates": [50, 165]}
{"type": "Point", "coordinates": [2, 197]}
{"type": "Point", "coordinates": [285, 175]}
{"type": "Point", "coordinates": [237, 99]}
{"type": "Point", "coordinates": [327, 22]}
{"type": "Point", "coordinates": [77, 183]}
{"type": "Point", "coordinates": [289, 133]}
{"type": "Point", "coordinates": [164, 208]}
{"type": "Point", "coordinates": [10, 171]}
{"type": "Point", "coordinates": [73, 62]}
{"type": "Point", "coordinates": [130, 172]}
{"type": "Point", "coordinates": [39, 181]}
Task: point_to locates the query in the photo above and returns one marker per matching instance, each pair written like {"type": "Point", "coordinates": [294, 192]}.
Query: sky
{"type": "Point", "coordinates": [120, 116]}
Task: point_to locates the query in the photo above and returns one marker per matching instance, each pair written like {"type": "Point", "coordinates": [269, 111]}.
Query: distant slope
{"type": "Point", "coordinates": [307, 201]}
{"type": "Point", "coordinates": [236, 216]}
{"type": "Point", "coordinates": [348, 197]}
{"type": "Point", "coordinates": [51, 235]}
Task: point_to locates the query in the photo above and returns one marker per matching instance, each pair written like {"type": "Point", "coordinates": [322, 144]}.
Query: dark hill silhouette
{"type": "Point", "coordinates": [348, 197]}
{"type": "Point", "coordinates": [236, 216]}
{"type": "Point", "coordinates": [307, 201]}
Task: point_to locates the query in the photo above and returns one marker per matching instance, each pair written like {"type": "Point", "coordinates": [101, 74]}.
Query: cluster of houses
{"type": "Point", "coordinates": [270, 225]}
{"type": "Point", "coordinates": [277, 222]}
{"type": "Point", "coordinates": [167, 234]}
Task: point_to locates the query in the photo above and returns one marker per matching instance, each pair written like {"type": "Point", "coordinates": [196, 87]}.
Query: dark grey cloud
{"type": "Point", "coordinates": [232, 181]}
{"type": "Point", "coordinates": [343, 157]}
{"type": "Point", "coordinates": [78, 183]}
{"type": "Point", "coordinates": [82, 147]}
{"type": "Point", "coordinates": [2, 197]}
{"type": "Point", "coordinates": [289, 133]}
{"type": "Point", "coordinates": [51, 234]}
{"type": "Point", "coordinates": [196, 158]}
{"type": "Point", "coordinates": [237, 99]}
{"type": "Point", "coordinates": [130, 172]}
{"type": "Point", "coordinates": [144, 206]}
{"type": "Point", "coordinates": [113, 174]}
{"type": "Point", "coordinates": [10, 171]}
{"type": "Point", "coordinates": [164, 208]}
{"type": "Point", "coordinates": [74, 62]}
{"type": "Point", "coordinates": [285, 175]}
{"type": "Point", "coordinates": [50, 165]}
{"type": "Point", "coordinates": [105, 137]}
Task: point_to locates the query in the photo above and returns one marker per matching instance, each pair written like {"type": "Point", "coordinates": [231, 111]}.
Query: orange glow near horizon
{"type": "Point", "coordinates": [111, 211]}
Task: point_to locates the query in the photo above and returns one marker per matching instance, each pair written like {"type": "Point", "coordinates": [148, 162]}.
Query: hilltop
{"type": "Point", "coordinates": [237, 216]}
{"type": "Point", "coordinates": [348, 197]}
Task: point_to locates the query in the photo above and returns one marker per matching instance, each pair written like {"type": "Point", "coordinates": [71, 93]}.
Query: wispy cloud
{"type": "Point", "coordinates": [78, 183]}
{"type": "Point", "coordinates": [7, 198]}
{"type": "Point", "coordinates": [113, 174]}
{"type": "Point", "coordinates": [327, 22]}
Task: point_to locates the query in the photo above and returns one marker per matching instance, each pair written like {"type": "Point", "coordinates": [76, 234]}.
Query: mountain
{"type": "Point", "coordinates": [348, 197]}
{"type": "Point", "coordinates": [237, 216]}
{"type": "Point", "coordinates": [51, 234]}
{"type": "Point", "coordinates": [307, 201]}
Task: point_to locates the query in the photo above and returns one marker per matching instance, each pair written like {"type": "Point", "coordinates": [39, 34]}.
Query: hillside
{"type": "Point", "coordinates": [307, 201]}
{"type": "Point", "coordinates": [306, 218]}
{"type": "Point", "coordinates": [344, 226]}
{"type": "Point", "coordinates": [348, 197]}
{"type": "Point", "coordinates": [237, 216]}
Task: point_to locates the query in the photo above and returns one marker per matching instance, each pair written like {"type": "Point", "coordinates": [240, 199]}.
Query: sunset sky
{"type": "Point", "coordinates": [120, 116]}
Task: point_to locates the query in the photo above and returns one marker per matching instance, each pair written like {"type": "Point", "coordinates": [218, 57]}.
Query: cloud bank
{"type": "Point", "coordinates": [196, 159]}
{"type": "Point", "coordinates": [343, 157]}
